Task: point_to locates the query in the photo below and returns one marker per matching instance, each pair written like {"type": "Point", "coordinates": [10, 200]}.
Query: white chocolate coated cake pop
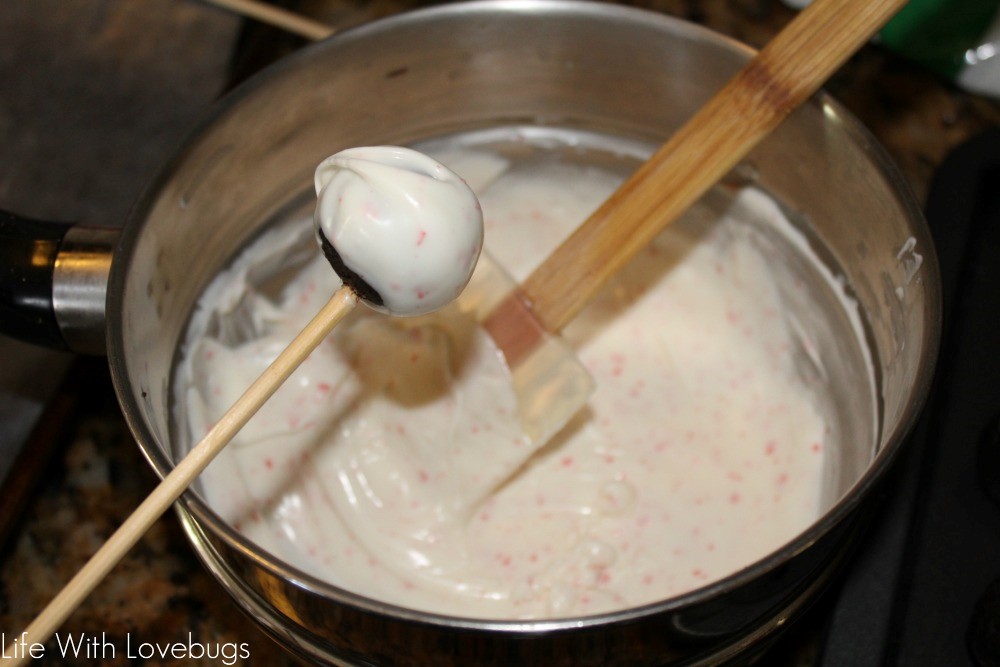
{"type": "Point", "coordinates": [400, 228]}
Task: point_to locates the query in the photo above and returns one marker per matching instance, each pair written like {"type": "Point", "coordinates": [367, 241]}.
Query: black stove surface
{"type": "Point", "coordinates": [925, 588]}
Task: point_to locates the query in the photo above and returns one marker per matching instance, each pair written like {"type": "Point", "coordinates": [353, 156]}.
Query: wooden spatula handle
{"type": "Point", "coordinates": [783, 75]}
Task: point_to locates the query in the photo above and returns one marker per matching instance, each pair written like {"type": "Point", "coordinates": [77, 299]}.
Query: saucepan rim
{"type": "Point", "coordinates": [841, 509]}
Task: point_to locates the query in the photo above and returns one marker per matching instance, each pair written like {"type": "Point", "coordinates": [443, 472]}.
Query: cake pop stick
{"type": "Point", "coordinates": [389, 219]}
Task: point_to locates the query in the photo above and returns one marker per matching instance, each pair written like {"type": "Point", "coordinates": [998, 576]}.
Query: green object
{"type": "Point", "coordinates": [938, 33]}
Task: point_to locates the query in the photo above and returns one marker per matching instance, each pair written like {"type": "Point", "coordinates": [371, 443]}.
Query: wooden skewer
{"type": "Point", "coordinates": [783, 75]}
{"type": "Point", "coordinates": [174, 484]}
{"type": "Point", "coordinates": [276, 16]}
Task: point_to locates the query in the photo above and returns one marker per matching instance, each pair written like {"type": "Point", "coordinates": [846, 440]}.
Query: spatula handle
{"type": "Point", "coordinates": [783, 75]}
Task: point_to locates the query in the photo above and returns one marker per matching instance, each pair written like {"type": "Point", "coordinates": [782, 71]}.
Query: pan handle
{"type": "Point", "coordinates": [53, 282]}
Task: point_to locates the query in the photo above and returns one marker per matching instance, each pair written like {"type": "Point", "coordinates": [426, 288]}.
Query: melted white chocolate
{"type": "Point", "coordinates": [701, 451]}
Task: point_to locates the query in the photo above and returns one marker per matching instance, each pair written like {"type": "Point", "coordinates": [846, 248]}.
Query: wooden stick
{"type": "Point", "coordinates": [276, 16]}
{"type": "Point", "coordinates": [174, 484]}
{"type": "Point", "coordinates": [783, 75]}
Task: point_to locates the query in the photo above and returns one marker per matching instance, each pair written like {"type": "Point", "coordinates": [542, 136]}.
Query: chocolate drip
{"type": "Point", "coordinates": [364, 291]}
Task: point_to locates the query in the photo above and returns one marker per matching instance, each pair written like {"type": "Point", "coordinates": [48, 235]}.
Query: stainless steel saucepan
{"type": "Point", "coordinates": [463, 67]}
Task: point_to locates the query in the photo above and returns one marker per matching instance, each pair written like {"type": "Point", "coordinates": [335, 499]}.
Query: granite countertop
{"type": "Point", "coordinates": [91, 474]}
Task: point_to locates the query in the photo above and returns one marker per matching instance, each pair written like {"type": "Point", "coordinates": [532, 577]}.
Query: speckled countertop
{"type": "Point", "coordinates": [96, 476]}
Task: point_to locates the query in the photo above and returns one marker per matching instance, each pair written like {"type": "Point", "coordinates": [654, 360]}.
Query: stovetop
{"type": "Point", "coordinates": [925, 589]}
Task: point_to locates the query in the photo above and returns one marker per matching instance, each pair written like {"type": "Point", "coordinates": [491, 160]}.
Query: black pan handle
{"type": "Point", "coordinates": [28, 253]}
{"type": "Point", "coordinates": [54, 282]}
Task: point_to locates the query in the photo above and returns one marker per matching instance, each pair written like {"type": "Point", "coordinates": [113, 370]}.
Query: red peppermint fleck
{"type": "Point", "coordinates": [423, 476]}
{"type": "Point", "coordinates": [567, 461]}
{"type": "Point", "coordinates": [269, 463]}
{"type": "Point", "coordinates": [619, 363]}
{"type": "Point", "coordinates": [421, 235]}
